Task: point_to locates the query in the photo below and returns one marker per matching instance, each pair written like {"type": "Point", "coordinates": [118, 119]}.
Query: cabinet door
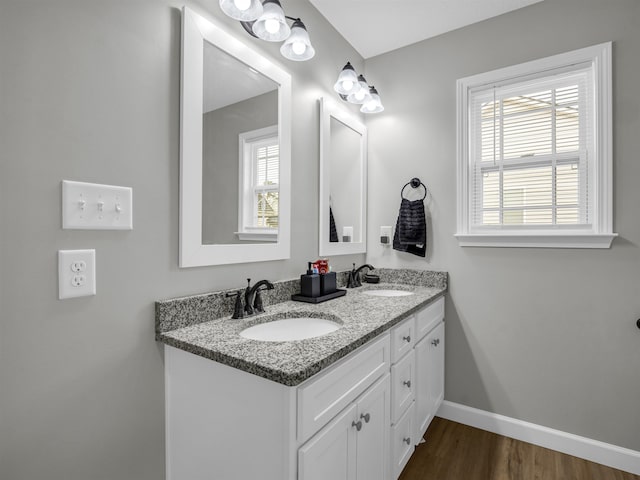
{"type": "Point", "coordinates": [429, 378]}
{"type": "Point", "coordinates": [373, 438]}
{"type": "Point", "coordinates": [331, 453]}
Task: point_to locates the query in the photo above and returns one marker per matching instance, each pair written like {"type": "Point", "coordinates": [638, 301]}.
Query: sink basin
{"type": "Point", "coordinates": [289, 329]}
{"type": "Point", "coordinates": [387, 293]}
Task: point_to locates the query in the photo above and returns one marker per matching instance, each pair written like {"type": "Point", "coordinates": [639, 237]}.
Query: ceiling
{"type": "Point", "coordinates": [373, 27]}
{"type": "Point", "coordinates": [226, 80]}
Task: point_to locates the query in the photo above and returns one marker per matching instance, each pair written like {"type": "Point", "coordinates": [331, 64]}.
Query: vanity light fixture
{"type": "Point", "coordinates": [266, 20]}
{"type": "Point", "coordinates": [354, 88]}
{"type": "Point", "coordinates": [242, 10]}
{"type": "Point", "coordinates": [372, 104]}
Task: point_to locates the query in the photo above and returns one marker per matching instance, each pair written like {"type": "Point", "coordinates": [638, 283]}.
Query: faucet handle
{"type": "Point", "coordinates": [237, 309]}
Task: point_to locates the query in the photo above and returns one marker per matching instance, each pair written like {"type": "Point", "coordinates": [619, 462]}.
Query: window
{"type": "Point", "coordinates": [259, 185]}
{"type": "Point", "coordinates": [534, 153]}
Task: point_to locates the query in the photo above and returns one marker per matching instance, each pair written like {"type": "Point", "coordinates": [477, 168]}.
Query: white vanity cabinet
{"type": "Point", "coordinates": [353, 446]}
{"type": "Point", "coordinates": [223, 423]}
{"type": "Point", "coordinates": [358, 419]}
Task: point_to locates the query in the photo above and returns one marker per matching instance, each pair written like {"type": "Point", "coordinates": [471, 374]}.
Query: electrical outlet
{"type": "Point", "coordinates": [76, 273]}
{"type": "Point", "coordinates": [78, 266]}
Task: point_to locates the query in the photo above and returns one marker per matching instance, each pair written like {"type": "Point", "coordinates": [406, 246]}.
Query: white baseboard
{"type": "Point", "coordinates": [582, 447]}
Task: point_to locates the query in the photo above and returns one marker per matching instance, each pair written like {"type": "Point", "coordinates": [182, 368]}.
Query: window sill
{"type": "Point", "coordinates": [259, 236]}
{"type": "Point", "coordinates": [529, 240]}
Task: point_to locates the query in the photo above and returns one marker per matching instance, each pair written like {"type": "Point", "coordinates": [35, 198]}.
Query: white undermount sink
{"type": "Point", "coordinates": [289, 329]}
{"type": "Point", "coordinates": [387, 293]}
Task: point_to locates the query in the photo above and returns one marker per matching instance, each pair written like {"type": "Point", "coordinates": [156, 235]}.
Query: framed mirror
{"type": "Point", "coordinates": [235, 150]}
{"type": "Point", "coordinates": [343, 182]}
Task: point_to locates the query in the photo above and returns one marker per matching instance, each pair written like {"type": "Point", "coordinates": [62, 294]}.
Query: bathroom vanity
{"type": "Point", "coordinates": [346, 405]}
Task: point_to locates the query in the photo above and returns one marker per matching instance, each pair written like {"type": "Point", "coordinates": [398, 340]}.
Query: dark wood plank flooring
{"type": "Point", "coordinates": [457, 452]}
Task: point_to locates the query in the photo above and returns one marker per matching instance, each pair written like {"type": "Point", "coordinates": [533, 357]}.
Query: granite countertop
{"type": "Point", "coordinates": [363, 317]}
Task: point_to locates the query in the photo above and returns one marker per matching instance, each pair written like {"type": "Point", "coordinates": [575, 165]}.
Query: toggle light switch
{"type": "Point", "coordinates": [91, 206]}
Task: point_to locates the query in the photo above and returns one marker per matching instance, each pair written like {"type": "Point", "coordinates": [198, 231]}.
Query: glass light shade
{"type": "Point", "coordinates": [298, 46]}
{"type": "Point", "coordinates": [347, 81]}
{"type": "Point", "coordinates": [372, 104]}
{"type": "Point", "coordinates": [361, 94]}
{"type": "Point", "coordinates": [243, 10]}
{"type": "Point", "coordinates": [271, 25]}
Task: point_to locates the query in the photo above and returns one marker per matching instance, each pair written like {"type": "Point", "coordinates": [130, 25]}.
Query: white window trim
{"type": "Point", "coordinates": [245, 139]}
{"type": "Point", "coordinates": [600, 235]}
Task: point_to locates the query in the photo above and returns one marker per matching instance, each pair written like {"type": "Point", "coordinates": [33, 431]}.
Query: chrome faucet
{"type": "Point", "coordinates": [354, 275]}
{"type": "Point", "coordinates": [252, 298]}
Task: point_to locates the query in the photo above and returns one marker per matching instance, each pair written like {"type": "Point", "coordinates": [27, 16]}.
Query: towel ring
{"type": "Point", "coordinates": [415, 183]}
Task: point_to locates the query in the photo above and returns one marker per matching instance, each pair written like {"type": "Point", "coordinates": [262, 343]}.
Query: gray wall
{"type": "Point", "coordinates": [543, 335]}
{"type": "Point", "coordinates": [89, 91]}
{"type": "Point", "coordinates": [220, 162]}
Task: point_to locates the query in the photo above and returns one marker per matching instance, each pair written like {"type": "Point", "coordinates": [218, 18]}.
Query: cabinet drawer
{"type": "Point", "coordinates": [402, 442]}
{"type": "Point", "coordinates": [429, 317]}
{"type": "Point", "coordinates": [403, 385]}
{"type": "Point", "coordinates": [324, 396]}
{"type": "Point", "coordinates": [402, 338]}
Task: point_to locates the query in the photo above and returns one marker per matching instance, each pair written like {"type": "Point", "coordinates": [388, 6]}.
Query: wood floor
{"type": "Point", "coordinates": [457, 452]}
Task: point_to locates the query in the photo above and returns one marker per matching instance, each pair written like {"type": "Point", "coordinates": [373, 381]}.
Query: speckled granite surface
{"type": "Point", "coordinates": [199, 326]}
{"type": "Point", "coordinates": [185, 311]}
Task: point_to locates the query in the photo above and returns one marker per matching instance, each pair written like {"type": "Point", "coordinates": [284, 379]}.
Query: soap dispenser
{"type": "Point", "coordinates": [310, 283]}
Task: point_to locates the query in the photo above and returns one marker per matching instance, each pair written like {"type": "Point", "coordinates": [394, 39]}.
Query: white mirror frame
{"type": "Point", "coordinates": [329, 109]}
{"type": "Point", "coordinates": [193, 253]}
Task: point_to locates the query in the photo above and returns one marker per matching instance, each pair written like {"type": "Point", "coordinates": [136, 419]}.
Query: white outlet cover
{"type": "Point", "coordinates": [76, 273]}
{"type": "Point", "coordinates": [92, 206]}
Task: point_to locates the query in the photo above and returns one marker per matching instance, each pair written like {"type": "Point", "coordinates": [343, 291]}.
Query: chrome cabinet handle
{"type": "Point", "coordinates": [366, 417]}
{"type": "Point", "coordinates": [407, 440]}
{"type": "Point", "coordinates": [407, 383]}
{"type": "Point", "coordinates": [407, 338]}
{"type": "Point", "coordinates": [435, 342]}
{"type": "Point", "coordinates": [357, 424]}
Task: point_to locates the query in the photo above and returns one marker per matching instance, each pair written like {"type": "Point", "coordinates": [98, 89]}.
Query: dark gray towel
{"type": "Point", "coordinates": [411, 228]}
{"type": "Point", "coordinates": [333, 233]}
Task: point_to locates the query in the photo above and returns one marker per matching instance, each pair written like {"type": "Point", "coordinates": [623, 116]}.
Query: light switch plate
{"type": "Point", "coordinates": [91, 206]}
{"type": "Point", "coordinates": [76, 273]}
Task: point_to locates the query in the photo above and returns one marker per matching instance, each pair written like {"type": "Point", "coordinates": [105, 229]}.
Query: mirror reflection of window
{"type": "Point", "coordinates": [259, 173]}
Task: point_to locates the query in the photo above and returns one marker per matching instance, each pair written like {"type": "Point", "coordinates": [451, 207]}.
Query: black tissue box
{"type": "Point", "coordinates": [328, 283]}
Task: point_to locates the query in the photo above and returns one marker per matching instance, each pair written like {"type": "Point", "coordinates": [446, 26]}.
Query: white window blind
{"type": "Point", "coordinates": [259, 174]}
{"type": "Point", "coordinates": [535, 153]}
{"type": "Point", "coordinates": [266, 160]}
{"type": "Point", "coordinates": [530, 145]}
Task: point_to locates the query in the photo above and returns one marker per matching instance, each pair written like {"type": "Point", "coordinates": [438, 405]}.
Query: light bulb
{"type": "Point", "coordinates": [272, 25]}
{"type": "Point", "coordinates": [298, 48]}
{"type": "Point", "coordinates": [347, 85]}
{"type": "Point", "coordinates": [242, 5]}
{"type": "Point", "coordinates": [360, 94]}
{"type": "Point", "coordinates": [371, 106]}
